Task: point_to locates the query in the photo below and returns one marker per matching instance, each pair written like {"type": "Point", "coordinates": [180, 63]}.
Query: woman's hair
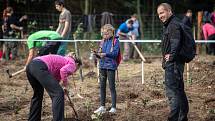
{"type": "Point", "coordinates": [76, 59]}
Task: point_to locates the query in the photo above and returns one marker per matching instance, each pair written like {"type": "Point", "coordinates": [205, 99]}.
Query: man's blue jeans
{"type": "Point", "coordinates": [63, 46]}
{"type": "Point", "coordinates": [175, 91]}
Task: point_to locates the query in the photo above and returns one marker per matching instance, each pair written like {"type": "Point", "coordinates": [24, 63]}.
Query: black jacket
{"type": "Point", "coordinates": [1, 32]}
{"type": "Point", "coordinates": [172, 36]}
{"type": "Point", "coordinates": [187, 21]}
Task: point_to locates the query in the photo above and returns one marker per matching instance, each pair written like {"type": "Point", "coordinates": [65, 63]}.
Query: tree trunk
{"type": "Point", "coordinates": [153, 19]}
{"type": "Point", "coordinates": [87, 7]}
{"type": "Point", "coordinates": [199, 31]}
{"type": "Point", "coordinates": [140, 18]}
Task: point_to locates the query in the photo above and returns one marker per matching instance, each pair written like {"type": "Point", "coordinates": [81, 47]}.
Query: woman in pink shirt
{"type": "Point", "coordinates": [209, 34]}
{"type": "Point", "coordinates": [46, 72]}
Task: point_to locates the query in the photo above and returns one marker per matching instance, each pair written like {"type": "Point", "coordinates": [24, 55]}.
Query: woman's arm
{"type": "Point", "coordinates": [30, 56]}
{"type": "Point", "coordinates": [65, 71]}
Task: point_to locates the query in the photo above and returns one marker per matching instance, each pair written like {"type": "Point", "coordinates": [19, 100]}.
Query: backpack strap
{"type": "Point", "coordinates": [100, 45]}
{"type": "Point", "coordinates": [113, 43]}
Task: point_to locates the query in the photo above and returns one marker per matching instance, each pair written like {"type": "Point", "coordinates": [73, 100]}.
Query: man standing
{"type": "Point", "coordinates": [64, 27]}
{"type": "Point", "coordinates": [172, 64]}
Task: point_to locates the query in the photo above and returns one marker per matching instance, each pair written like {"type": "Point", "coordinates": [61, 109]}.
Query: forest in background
{"type": "Point", "coordinates": [125, 7]}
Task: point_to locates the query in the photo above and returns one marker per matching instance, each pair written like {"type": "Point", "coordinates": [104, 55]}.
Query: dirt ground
{"type": "Point", "coordinates": [135, 101]}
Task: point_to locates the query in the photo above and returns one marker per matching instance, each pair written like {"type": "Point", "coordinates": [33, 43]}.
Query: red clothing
{"type": "Point", "coordinates": [208, 30]}
{"type": "Point", "coordinates": [59, 66]}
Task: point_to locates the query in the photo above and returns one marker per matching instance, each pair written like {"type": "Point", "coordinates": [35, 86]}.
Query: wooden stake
{"type": "Point", "coordinates": [142, 58]}
{"type": "Point", "coordinates": [199, 30]}
{"type": "Point", "coordinates": [143, 73]}
{"type": "Point", "coordinates": [188, 71]}
{"type": "Point", "coordinates": [138, 51]}
{"type": "Point", "coordinates": [98, 71]}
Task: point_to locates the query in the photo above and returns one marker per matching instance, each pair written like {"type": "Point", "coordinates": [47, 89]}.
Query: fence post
{"type": "Point", "coordinates": [142, 58]}
{"type": "Point", "coordinates": [77, 53]}
{"type": "Point", "coordinates": [143, 72]}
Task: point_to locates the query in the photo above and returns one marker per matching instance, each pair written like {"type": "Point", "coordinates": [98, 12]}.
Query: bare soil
{"type": "Point", "coordinates": [135, 101]}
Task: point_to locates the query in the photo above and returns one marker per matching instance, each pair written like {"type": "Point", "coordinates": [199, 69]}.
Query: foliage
{"type": "Point", "coordinates": [99, 6]}
{"type": "Point", "coordinates": [151, 48]}
{"type": "Point", "coordinates": [32, 26]}
{"type": "Point", "coordinates": [79, 33]}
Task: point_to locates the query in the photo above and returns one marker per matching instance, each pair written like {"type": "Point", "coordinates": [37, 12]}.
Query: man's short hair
{"type": "Point", "coordinates": [166, 6]}
{"type": "Point", "coordinates": [130, 21]}
{"type": "Point", "coordinates": [59, 2]}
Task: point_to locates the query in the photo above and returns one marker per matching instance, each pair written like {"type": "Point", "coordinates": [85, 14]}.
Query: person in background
{"type": "Point", "coordinates": [10, 28]}
{"type": "Point", "coordinates": [107, 54]}
{"type": "Point", "coordinates": [50, 72]}
{"type": "Point", "coordinates": [39, 48]}
{"type": "Point", "coordinates": [135, 35]}
{"type": "Point", "coordinates": [172, 64]}
{"type": "Point", "coordinates": [64, 27]}
{"type": "Point", "coordinates": [209, 34]}
{"type": "Point", "coordinates": [123, 33]}
{"type": "Point", "coordinates": [187, 20]}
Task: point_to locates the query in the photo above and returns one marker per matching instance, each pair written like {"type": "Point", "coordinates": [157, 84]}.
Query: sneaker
{"type": "Point", "coordinates": [100, 110]}
{"type": "Point", "coordinates": [112, 110]}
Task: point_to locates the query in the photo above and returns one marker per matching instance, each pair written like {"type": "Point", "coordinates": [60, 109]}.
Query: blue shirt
{"type": "Point", "coordinates": [123, 28]}
{"type": "Point", "coordinates": [109, 61]}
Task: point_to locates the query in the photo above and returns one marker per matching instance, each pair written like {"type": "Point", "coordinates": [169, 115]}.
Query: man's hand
{"type": "Point", "coordinates": [167, 57]}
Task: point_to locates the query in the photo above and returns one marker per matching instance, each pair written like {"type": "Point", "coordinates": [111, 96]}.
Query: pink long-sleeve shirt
{"type": "Point", "coordinates": [208, 30]}
{"type": "Point", "coordinates": [59, 66]}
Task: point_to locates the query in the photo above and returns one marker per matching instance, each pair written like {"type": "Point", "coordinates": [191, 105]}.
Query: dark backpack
{"type": "Point", "coordinates": [188, 46]}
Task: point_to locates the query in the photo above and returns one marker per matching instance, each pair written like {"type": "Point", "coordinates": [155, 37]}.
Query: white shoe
{"type": "Point", "coordinates": [100, 110]}
{"type": "Point", "coordinates": [112, 110]}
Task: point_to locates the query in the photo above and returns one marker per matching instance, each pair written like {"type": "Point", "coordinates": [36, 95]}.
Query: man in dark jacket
{"type": "Point", "coordinates": [172, 64]}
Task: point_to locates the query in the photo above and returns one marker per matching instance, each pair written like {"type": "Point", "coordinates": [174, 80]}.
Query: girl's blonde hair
{"type": "Point", "coordinates": [108, 28]}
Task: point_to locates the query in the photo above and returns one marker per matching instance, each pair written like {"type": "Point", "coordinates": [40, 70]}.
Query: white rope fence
{"type": "Point", "coordinates": [142, 41]}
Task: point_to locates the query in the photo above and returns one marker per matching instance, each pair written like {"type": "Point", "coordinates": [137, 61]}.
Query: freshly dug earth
{"type": "Point", "coordinates": [135, 101]}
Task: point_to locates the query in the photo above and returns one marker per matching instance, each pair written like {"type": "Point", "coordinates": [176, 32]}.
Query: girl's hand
{"type": "Point", "coordinates": [102, 55]}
